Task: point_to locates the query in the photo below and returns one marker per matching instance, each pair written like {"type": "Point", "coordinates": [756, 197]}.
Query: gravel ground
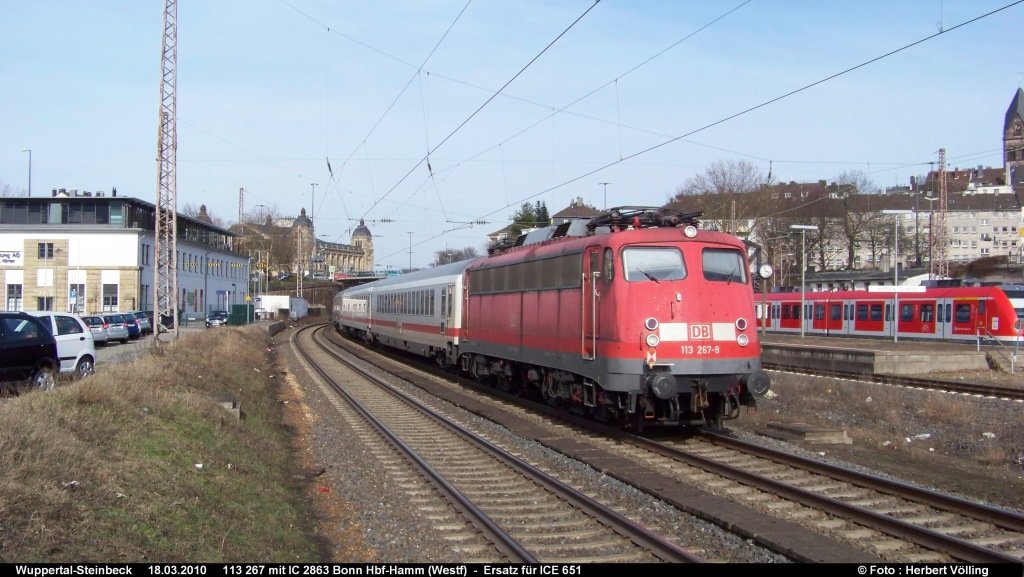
{"type": "Point", "coordinates": [364, 518]}
{"type": "Point", "coordinates": [968, 446]}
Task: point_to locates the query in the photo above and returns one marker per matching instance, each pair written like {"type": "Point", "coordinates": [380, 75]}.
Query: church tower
{"type": "Point", "coordinates": [1013, 139]}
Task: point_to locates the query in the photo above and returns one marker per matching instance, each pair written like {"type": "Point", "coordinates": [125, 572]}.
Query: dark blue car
{"type": "Point", "coordinates": [134, 330]}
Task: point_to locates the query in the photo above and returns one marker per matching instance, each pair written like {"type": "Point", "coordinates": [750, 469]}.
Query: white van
{"type": "Point", "coordinates": [75, 345]}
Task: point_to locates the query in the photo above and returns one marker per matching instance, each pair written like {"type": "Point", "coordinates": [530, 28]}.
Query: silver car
{"type": "Point", "coordinates": [117, 328]}
{"type": "Point", "coordinates": [98, 328]}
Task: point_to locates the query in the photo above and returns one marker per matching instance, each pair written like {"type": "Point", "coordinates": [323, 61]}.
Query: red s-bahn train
{"type": "Point", "coordinates": [948, 314]}
{"type": "Point", "coordinates": [636, 317]}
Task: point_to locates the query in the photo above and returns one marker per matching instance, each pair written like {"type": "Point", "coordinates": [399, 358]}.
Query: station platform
{"type": "Point", "coordinates": [870, 356]}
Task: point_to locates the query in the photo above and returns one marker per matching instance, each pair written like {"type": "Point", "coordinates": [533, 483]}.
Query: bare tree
{"type": "Point", "coordinates": [859, 215]}
{"type": "Point", "coordinates": [261, 213]}
{"type": "Point", "coordinates": [450, 255]}
{"type": "Point", "coordinates": [7, 189]}
{"type": "Point", "coordinates": [726, 188]}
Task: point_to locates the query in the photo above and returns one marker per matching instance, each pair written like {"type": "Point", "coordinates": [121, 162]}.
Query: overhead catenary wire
{"type": "Point", "coordinates": [736, 115]}
{"type": "Point", "coordinates": [485, 103]}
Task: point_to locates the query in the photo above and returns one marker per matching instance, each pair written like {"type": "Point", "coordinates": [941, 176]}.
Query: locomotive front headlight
{"type": "Point", "coordinates": [743, 340]}
{"type": "Point", "coordinates": [653, 340]}
{"type": "Point", "coordinates": [690, 231]}
{"type": "Point", "coordinates": [741, 324]}
{"type": "Point", "coordinates": [651, 324]}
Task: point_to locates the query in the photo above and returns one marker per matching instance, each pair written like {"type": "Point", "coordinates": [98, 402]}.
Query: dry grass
{"type": "Point", "coordinates": [985, 432]}
{"type": "Point", "coordinates": [138, 463]}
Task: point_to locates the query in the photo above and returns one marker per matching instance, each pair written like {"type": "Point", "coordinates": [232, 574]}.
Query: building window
{"type": "Point", "coordinates": [44, 303]}
{"type": "Point", "coordinates": [46, 251]}
{"type": "Point", "coordinates": [44, 277]}
{"type": "Point", "coordinates": [14, 297]}
{"type": "Point", "coordinates": [1016, 129]}
{"type": "Point", "coordinates": [110, 298]}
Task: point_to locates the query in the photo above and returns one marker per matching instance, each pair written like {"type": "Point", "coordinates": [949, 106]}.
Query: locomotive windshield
{"type": "Point", "coordinates": [652, 264]}
{"type": "Point", "coordinates": [724, 265]}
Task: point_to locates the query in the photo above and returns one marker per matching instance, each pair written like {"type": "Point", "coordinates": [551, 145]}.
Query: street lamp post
{"type": "Point", "coordinates": [896, 272]}
{"type": "Point", "coordinates": [803, 228]}
{"type": "Point", "coordinates": [29, 151]}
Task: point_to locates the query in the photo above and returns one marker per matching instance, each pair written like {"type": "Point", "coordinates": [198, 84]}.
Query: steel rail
{"type": "Point", "coordinates": [660, 547]}
{"type": "Point", "coordinates": [504, 542]}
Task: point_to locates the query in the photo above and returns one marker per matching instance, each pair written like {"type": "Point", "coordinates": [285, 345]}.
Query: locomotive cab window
{"type": "Point", "coordinates": [609, 266]}
{"type": "Point", "coordinates": [652, 264]}
{"type": "Point", "coordinates": [724, 265]}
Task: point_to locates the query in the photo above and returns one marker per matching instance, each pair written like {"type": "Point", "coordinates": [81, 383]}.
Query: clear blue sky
{"type": "Point", "coordinates": [268, 90]}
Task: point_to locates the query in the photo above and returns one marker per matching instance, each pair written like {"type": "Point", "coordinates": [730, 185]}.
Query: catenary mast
{"type": "Point", "coordinates": [165, 278]}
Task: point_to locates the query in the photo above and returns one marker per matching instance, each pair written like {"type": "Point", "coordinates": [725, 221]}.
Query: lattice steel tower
{"type": "Point", "coordinates": [938, 235]}
{"type": "Point", "coordinates": [165, 247]}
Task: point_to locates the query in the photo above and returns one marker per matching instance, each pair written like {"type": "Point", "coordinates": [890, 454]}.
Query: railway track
{"type": "Point", "coordinates": [941, 385]}
{"type": "Point", "coordinates": [881, 517]}
{"type": "Point", "coordinates": [496, 505]}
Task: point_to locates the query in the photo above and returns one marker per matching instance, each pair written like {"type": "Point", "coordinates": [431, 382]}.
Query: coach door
{"type": "Point", "coordinates": [591, 272]}
{"type": "Point", "coordinates": [445, 312]}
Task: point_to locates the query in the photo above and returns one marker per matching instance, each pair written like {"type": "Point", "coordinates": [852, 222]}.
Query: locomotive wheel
{"type": "Point", "coordinates": [475, 369]}
{"type": "Point", "coordinates": [713, 414]}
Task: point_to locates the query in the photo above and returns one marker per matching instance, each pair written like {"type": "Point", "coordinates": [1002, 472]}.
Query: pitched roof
{"type": "Point", "coordinates": [576, 209]}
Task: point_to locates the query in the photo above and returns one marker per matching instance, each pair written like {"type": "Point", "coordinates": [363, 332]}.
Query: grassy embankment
{"type": "Point", "coordinates": [138, 463]}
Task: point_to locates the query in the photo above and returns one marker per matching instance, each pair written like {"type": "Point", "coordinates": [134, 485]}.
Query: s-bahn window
{"type": "Point", "coordinates": [653, 264]}
{"type": "Point", "coordinates": [819, 312]}
{"type": "Point", "coordinates": [723, 265]}
{"type": "Point", "coordinates": [836, 311]}
{"type": "Point", "coordinates": [963, 313]}
{"type": "Point", "coordinates": [927, 313]}
{"type": "Point", "coordinates": [906, 312]}
{"type": "Point", "coordinates": [609, 266]}
{"type": "Point", "coordinates": [876, 312]}
{"type": "Point", "coordinates": [862, 312]}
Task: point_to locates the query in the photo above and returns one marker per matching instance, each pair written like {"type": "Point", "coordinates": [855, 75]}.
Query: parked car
{"type": "Point", "coordinates": [28, 352]}
{"type": "Point", "coordinates": [282, 276]}
{"type": "Point", "coordinates": [145, 324]}
{"type": "Point", "coordinates": [98, 327]}
{"type": "Point", "coordinates": [76, 348]}
{"type": "Point", "coordinates": [116, 327]}
{"type": "Point", "coordinates": [217, 318]}
{"type": "Point", "coordinates": [134, 330]}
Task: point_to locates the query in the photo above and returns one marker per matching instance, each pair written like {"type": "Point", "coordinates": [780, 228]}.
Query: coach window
{"type": "Point", "coordinates": [652, 264]}
{"type": "Point", "coordinates": [862, 312]}
{"type": "Point", "coordinates": [609, 266]}
{"type": "Point", "coordinates": [819, 311]}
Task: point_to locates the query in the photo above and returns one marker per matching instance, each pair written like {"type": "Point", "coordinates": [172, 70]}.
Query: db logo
{"type": "Point", "coordinates": [700, 332]}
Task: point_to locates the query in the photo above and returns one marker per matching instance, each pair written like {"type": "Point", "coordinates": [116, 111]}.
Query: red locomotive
{"type": "Point", "coordinates": [950, 313]}
{"type": "Point", "coordinates": [636, 316]}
